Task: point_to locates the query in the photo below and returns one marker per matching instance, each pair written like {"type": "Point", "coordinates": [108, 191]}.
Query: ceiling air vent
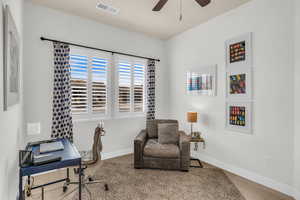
{"type": "Point", "coordinates": [107, 8]}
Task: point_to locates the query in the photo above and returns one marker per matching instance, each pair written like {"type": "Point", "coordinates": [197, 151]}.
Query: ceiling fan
{"type": "Point", "coordinates": [161, 4]}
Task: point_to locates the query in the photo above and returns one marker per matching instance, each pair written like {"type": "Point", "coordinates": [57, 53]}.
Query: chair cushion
{"type": "Point", "coordinates": [168, 133]}
{"type": "Point", "coordinates": [156, 150]}
{"type": "Point", "coordinates": [152, 129]}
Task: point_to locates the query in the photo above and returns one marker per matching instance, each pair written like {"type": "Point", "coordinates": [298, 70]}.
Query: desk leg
{"type": "Point", "coordinates": [21, 197]}
{"type": "Point", "coordinates": [43, 193]}
{"type": "Point", "coordinates": [68, 176]}
{"type": "Point", "coordinates": [80, 173]}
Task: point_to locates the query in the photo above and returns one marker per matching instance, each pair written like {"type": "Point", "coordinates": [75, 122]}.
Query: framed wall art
{"type": "Point", "coordinates": [239, 84]}
{"type": "Point", "coordinates": [11, 61]}
{"type": "Point", "coordinates": [202, 81]}
{"type": "Point", "coordinates": [239, 51]}
{"type": "Point", "coordinates": [239, 116]}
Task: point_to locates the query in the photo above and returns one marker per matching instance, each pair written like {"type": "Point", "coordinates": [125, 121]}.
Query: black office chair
{"type": "Point", "coordinates": [96, 158]}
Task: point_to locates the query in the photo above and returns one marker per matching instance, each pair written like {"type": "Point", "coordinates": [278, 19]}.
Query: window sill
{"type": "Point", "coordinates": [90, 120]}
{"type": "Point", "coordinates": [78, 120]}
{"type": "Point", "coordinates": [129, 116]}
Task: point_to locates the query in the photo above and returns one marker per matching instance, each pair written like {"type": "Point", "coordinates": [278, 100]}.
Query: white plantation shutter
{"type": "Point", "coordinates": [99, 84]}
{"type": "Point", "coordinates": [131, 86]}
{"type": "Point", "coordinates": [92, 83]}
{"type": "Point", "coordinates": [89, 83]}
{"type": "Point", "coordinates": [79, 83]}
{"type": "Point", "coordinates": [139, 87]}
{"type": "Point", "coordinates": [124, 96]}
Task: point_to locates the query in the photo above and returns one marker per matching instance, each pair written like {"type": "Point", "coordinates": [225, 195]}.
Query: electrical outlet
{"type": "Point", "coordinates": [33, 128]}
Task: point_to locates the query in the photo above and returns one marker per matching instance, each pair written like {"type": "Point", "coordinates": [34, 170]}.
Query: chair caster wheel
{"type": "Point", "coordinates": [106, 187]}
{"type": "Point", "coordinates": [91, 179]}
{"type": "Point", "coordinates": [65, 188]}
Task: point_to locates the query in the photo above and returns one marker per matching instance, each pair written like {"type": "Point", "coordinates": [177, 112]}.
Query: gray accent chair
{"type": "Point", "coordinates": [148, 153]}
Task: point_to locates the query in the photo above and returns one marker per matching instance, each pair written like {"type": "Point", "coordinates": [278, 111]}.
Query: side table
{"type": "Point", "coordinates": [196, 141]}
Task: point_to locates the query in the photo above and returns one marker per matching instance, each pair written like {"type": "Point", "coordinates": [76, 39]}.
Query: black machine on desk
{"type": "Point", "coordinates": [27, 158]}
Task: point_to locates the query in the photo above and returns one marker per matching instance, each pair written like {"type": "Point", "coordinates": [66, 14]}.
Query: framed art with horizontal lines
{"type": "Point", "coordinates": [202, 81]}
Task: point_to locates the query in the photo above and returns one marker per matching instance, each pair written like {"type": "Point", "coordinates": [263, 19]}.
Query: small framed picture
{"type": "Point", "coordinates": [239, 51]}
{"type": "Point", "coordinates": [239, 84]}
{"type": "Point", "coordinates": [202, 81]}
{"type": "Point", "coordinates": [239, 116]}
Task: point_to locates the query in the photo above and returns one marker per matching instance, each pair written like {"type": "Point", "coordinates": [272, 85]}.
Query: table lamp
{"type": "Point", "coordinates": [192, 118]}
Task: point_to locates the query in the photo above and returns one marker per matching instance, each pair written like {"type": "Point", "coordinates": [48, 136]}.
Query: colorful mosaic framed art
{"type": "Point", "coordinates": [239, 84]}
{"type": "Point", "coordinates": [239, 51]}
{"type": "Point", "coordinates": [202, 81]}
{"type": "Point", "coordinates": [239, 76]}
{"type": "Point", "coordinates": [239, 116]}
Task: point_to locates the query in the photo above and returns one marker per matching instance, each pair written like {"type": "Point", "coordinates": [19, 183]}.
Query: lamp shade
{"type": "Point", "coordinates": [192, 117]}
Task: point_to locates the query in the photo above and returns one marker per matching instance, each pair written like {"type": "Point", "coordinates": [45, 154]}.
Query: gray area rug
{"type": "Point", "coordinates": [127, 183]}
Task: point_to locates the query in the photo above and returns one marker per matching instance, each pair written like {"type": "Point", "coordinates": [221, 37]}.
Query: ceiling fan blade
{"type": "Point", "coordinates": [159, 5]}
{"type": "Point", "coordinates": [203, 3]}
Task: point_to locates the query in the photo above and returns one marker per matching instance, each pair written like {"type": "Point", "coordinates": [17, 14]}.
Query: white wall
{"type": "Point", "coordinates": [297, 99]}
{"type": "Point", "coordinates": [11, 121]}
{"type": "Point", "coordinates": [38, 73]}
{"type": "Point", "coordinates": [267, 154]}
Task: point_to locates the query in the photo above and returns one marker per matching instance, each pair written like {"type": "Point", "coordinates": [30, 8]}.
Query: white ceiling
{"type": "Point", "coordinates": [137, 15]}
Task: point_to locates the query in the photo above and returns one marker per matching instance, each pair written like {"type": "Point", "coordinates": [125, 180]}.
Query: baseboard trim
{"type": "Point", "coordinates": [122, 152]}
{"type": "Point", "coordinates": [275, 185]}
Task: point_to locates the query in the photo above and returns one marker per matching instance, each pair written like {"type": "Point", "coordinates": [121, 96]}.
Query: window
{"type": "Point", "coordinates": [130, 93]}
{"type": "Point", "coordinates": [89, 83]}
{"type": "Point", "coordinates": [97, 92]}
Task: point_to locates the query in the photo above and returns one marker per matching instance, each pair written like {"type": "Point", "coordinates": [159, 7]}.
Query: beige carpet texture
{"type": "Point", "coordinates": [127, 183]}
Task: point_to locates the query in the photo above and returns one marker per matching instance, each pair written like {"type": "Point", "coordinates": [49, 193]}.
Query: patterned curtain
{"type": "Point", "coordinates": [62, 126]}
{"type": "Point", "coordinates": [151, 90]}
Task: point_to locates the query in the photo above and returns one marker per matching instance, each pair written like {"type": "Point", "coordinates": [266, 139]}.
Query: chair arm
{"type": "Point", "coordinates": [139, 143]}
{"type": "Point", "coordinates": [141, 137]}
{"type": "Point", "coordinates": [184, 146]}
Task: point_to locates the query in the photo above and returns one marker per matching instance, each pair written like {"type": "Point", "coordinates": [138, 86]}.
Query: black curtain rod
{"type": "Point", "coordinates": [88, 47]}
